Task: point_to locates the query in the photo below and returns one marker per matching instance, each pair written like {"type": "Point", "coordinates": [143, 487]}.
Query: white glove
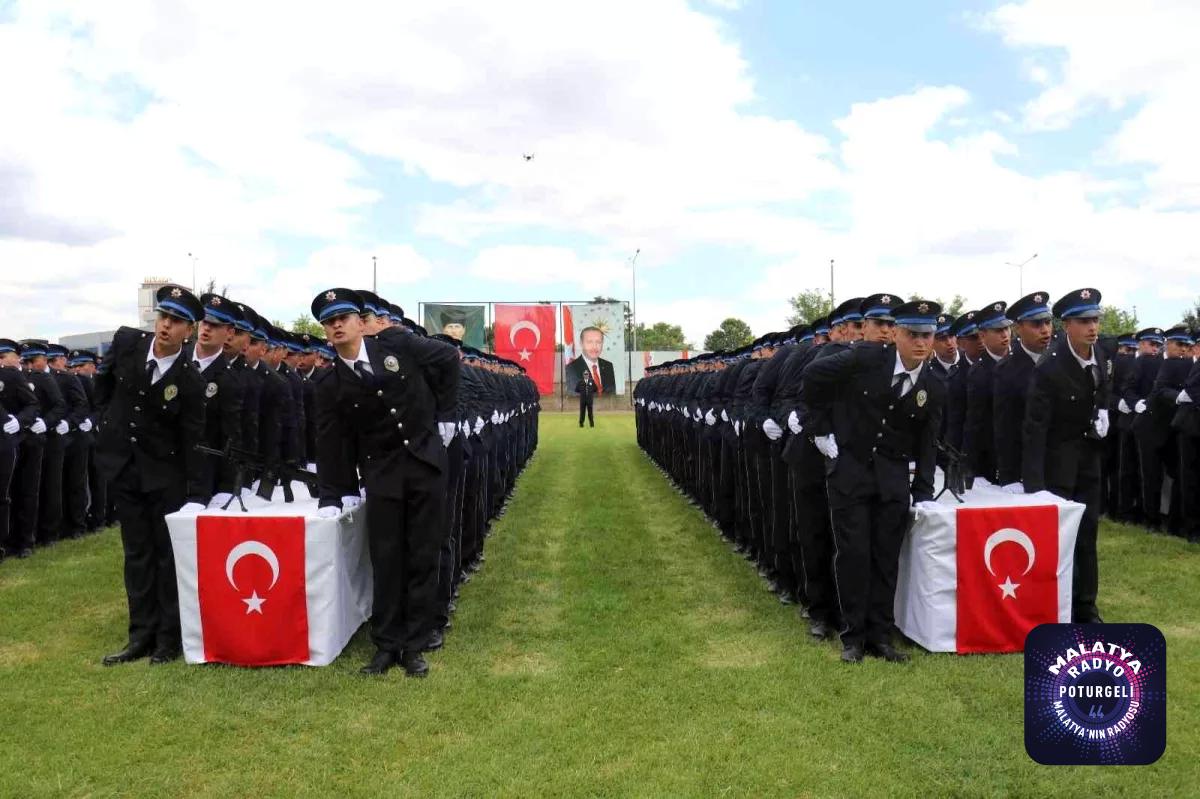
{"type": "Point", "coordinates": [827, 445]}
{"type": "Point", "coordinates": [479, 423]}
{"type": "Point", "coordinates": [772, 430]}
{"type": "Point", "coordinates": [328, 512]}
{"type": "Point", "coordinates": [793, 422]}
{"type": "Point", "coordinates": [86, 425]}
{"type": "Point", "coordinates": [668, 406]}
{"type": "Point", "coordinates": [495, 417]}
{"type": "Point", "coordinates": [464, 428]}
{"type": "Point", "coordinates": [1182, 397]}
{"type": "Point", "coordinates": [1101, 423]}
{"type": "Point", "coordinates": [191, 507]}
{"type": "Point", "coordinates": [1013, 488]}
{"type": "Point", "coordinates": [1123, 407]}
{"type": "Point", "coordinates": [38, 426]}
{"type": "Point", "coordinates": [351, 502]}
{"type": "Point", "coordinates": [724, 416]}
{"type": "Point", "coordinates": [219, 500]}
{"type": "Point", "coordinates": [737, 429]}
{"type": "Point", "coordinates": [62, 428]}
{"type": "Point", "coordinates": [709, 419]}
{"type": "Point", "coordinates": [447, 429]}
{"type": "Point", "coordinates": [12, 426]}
{"type": "Point", "coordinates": [697, 417]}
{"type": "Point", "coordinates": [1140, 407]}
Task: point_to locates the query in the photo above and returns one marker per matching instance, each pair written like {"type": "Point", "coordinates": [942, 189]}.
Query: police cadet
{"type": "Point", "coordinates": [83, 363]}
{"type": "Point", "coordinates": [970, 347]}
{"type": "Point", "coordinates": [1161, 409]}
{"type": "Point", "coordinates": [1066, 418]}
{"type": "Point", "coordinates": [885, 410]}
{"type": "Point", "coordinates": [306, 367]}
{"type": "Point", "coordinates": [73, 487]}
{"type": "Point", "coordinates": [29, 493]}
{"type": "Point", "coordinates": [154, 417]}
{"type": "Point", "coordinates": [1031, 318]}
{"type": "Point", "coordinates": [18, 409]}
{"type": "Point", "coordinates": [979, 442]}
{"type": "Point", "coordinates": [1187, 425]}
{"type": "Point", "coordinates": [1135, 396]}
{"type": "Point", "coordinates": [586, 390]}
{"type": "Point", "coordinates": [223, 392]}
{"type": "Point", "coordinates": [274, 394]}
{"type": "Point", "coordinates": [386, 409]}
{"type": "Point", "coordinates": [243, 358]}
{"type": "Point", "coordinates": [1122, 486]}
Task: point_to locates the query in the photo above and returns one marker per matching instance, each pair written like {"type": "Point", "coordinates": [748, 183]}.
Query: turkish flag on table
{"type": "Point", "coordinates": [251, 589]}
{"type": "Point", "coordinates": [1008, 573]}
{"type": "Point", "coordinates": [525, 335]}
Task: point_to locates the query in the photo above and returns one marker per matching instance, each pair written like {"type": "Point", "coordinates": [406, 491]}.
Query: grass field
{"type": "Point", "coordinates": [612, 645]}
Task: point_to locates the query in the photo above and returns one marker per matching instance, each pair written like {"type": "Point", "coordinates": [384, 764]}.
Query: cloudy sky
{"type": "Point", "coordinates": [740, 144]}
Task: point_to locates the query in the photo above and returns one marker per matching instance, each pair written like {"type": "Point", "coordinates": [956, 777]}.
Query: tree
{"type": "Point", "coordinates": [808, 305]}
{"type": "Point", "coordinates": [1114, 321]}
{"type": "Point", "coordinates": [1191, 317]}
{"type": "Point", "coordinates": [661, 336]}
{"type": "Point", "coordinates": [732, 333]}
{"type": "Point", "coordinates": [306, 324]}
{"type": "Point", "coordinates": [954, 307]}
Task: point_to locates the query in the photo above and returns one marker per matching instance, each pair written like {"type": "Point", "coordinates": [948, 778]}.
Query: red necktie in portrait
{"type": "Point", "coordinates": [596, 379]}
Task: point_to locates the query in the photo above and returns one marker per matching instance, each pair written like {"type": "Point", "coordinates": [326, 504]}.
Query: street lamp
{"type": "Point", "coordinates": [1021, 273]}
{"type": "Point", "coordinates": [194, 259]}
{"type": "Point", "coordinates": [374, 276]}
{"type": "Point", "coordinates": [831, 284]}
{"type": "Point", "coordinates": [633, 267]}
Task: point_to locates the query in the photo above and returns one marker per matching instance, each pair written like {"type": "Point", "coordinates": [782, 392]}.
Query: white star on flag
{"type": "Point", "coordinates": [1008, 589]}
{"type": "Point", "coordinates": [525, 355]}
{"type": "Point", "coordinates": [254, 603]}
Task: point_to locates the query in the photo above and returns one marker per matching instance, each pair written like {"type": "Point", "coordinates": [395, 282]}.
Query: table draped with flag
{"type": "Point", "coordinates": [273, 586]}
{"type": "Point", "coordinates": [978, 576]}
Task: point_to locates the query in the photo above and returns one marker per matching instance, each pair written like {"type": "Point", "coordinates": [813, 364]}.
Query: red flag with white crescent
{"type": "Point", "coordinates": [1008, 575]}
{"type": "Point", "coordinates": [251, 589]}
{"type": "Point", "coordinates": [525, 335]}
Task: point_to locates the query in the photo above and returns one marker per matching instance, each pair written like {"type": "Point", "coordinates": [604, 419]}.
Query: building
{"type": "Point", "coordinates": [147, 301]}
{"type": "Point", "coordinates": [100, 340]}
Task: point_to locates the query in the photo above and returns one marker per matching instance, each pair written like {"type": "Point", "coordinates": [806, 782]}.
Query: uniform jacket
{"type": "Point", "coordinates": [1010, 385]}
{"type": "Point", "coordinates": [979, 442]}
{"type": "Point", "coordinates": [224, 395]}
{"type": "Point", "coordinates": [18, 400]}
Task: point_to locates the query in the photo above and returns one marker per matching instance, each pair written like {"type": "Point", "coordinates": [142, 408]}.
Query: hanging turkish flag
{"type": "Point", "coordinates": [251, 589]}
{"type": "Point", "coordinates": [525, 335]}
{"type": "Point", "coordinates": [1008, 575]}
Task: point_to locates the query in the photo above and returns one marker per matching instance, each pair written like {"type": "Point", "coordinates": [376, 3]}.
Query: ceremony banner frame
{"type": "Point", "coordinates": [560, 345]}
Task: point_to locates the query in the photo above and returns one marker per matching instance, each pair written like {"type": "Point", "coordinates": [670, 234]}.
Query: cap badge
{"type": "Point", "coordinates": [215, 301]}
{"type": "Point", "coordinates": [923, 307]}
{"type": "Point", "coordinates": [210, 390]}
{"type": "Point", "coordinates": [1085, 294]}
{"type": "Point", "coordinates": [170, 392]}
{"type": "Point", "coordinates": [391, 364]}
{"type": "Point", "coordinates": [997, 307]}
{"type": "Point", "coordinates": [330, 296]}
{"type": "Point", "coordinates": [1038, 298]}
{"type": "Point", "coordinates": [922, 398]}
{"type": "Point", "coordinates": [886, 299]}
{"type": "Point", "coordinates": [177, 293]}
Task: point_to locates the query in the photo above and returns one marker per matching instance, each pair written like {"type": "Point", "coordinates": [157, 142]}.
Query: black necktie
{"type": "Point", "coordinates": [150, 367]}
{"type": "Point", "coordinates": [1094, 371]}
{"type": "Point", "coordinates": [898, 386]}
{"type": "Point", "coordinates": [360, 369]}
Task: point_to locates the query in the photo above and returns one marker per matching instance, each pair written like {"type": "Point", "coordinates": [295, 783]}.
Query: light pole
{"type": "Point", "coordinates": [633, 267]}
{"type": "Point", "coordinates": [374, 276]}
{"type": "Point", "coordinates": [194, 259]}
{"type": "Point", "coordinates": [1021, 273]}
{"type": "Point", "coordinates": [831, 284]}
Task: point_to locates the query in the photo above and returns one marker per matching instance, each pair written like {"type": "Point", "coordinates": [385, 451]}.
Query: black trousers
{"type": "Point", "coordinates": [585, 406]}
{"type": "Point", "coordinates": [50, 508]}
{"type": "Point", "coordinates": [1129, 491]}
{"type": "Point", "coordinates": [75, 486]}
{"type": "Point", "coordinates": [8, 464]}
{"type": "Point", "coordinates": [1150, 458]}
{"type": "Point", "coordinates": [814, 541]}
{"type": "Point", "coordinates": [404, 538]}
{"type": "Point", "coordinates": [450, 559]}
{"type": "Point", "coordinates": [1189, 484]}
{"type": "Point", "coordinates": [25, 493]}
{"type": "Point", "coordinates": [98, 504]}
{"type": "Point", "coordinates": [867, 535]}
{"type": "Point", "coordinates": [150, 587]}
{"type": "Point", "coordinates": [1085, 578]}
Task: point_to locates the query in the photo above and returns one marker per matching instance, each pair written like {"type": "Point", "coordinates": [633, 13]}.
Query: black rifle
{"type": "Point", "coordinates": [954, 472]}
{"type": "Point", "coordinates": [247, 462]}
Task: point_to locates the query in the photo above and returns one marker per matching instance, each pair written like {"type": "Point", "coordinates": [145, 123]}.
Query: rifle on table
{"type": "Point", "coordinates": [955, 471]}
{"type": "Point", "coordinates": [246, 462]}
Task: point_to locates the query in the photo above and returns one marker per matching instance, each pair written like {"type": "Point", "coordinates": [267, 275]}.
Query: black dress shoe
{"type": "Point", "coordinates": [132, 651]}
{"type": "Point", "coordinates": [888, 652]}
{"type": "Point", "coordinates": [26, 552]}
{"type": "Point", "coordinates": [786, 597]}
{"type": "Point", "coordinates": [414, 664]}
{"type": "Point", "coordinates": [436, 640]}
{"type": "Point", "coordinates": [165, 654]}
{"type": "Point", "coordinates": [384, 659]}
{"type": "Point", "coordinates": [852, 654]}
{"type": "Point", "coordinates": [820, 630]}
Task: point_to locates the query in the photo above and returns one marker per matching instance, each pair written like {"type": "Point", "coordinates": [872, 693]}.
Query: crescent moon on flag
{"type": "Point", "coordinates": [252, 548]}
{"type": "Point", "coordinates": [525, 324]}
{"type": "Point", "coordinates": [1005, 535]}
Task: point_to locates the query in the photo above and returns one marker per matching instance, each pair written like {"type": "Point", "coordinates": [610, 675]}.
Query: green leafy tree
{"type": "Point", "coordinates": [808, 305]}
{"type": "Point", "coordinates": [1114, 320]}
{"type": "Point", "coordinates": [731, 334]}
{"type": "Point", "coordinates": [305, 324]}
{"type": "Point", "coordinates": [954, 307]}
{"type": "Point", "coordinates": [661, 336]}
{"type": "Point", "coordinates": [1191, 317]}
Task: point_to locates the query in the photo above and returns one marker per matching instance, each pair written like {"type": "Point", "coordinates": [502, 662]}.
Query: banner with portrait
{"type": "Point", "coordinates": [594, 347]}
{"type": "Point", "coordinates": [463, 322]}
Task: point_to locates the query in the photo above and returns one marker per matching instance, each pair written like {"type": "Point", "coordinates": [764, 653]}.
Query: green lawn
{"type": "Point", "coordinates": [613, 645]}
